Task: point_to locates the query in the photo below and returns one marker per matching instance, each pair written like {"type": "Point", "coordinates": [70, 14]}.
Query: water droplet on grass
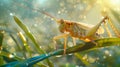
{"type": "Point", "coordinates": [11, 56]}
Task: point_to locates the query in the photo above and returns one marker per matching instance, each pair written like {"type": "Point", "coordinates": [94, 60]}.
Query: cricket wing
{"type": "Point", "coordinates": [85, 26]}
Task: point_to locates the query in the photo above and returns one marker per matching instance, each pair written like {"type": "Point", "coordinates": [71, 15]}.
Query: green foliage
{"type": "Point", "coordinates": [1, 40]}
{"type": "Point", "coordinates": [27, 32]}
{"type": "Point", "coordinates": [78, 48]}
{"type": "Point", "coordinates": [9, 59]}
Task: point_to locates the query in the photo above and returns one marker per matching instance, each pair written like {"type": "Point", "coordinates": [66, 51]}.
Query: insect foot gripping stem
{"type": "Point", "coordinates": [59, 37]}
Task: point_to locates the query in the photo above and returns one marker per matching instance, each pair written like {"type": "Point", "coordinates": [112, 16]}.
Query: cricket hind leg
{"type": "Point", "coordinates": [107, 30]}
{"type": "Point", "coordinates": [117, 33]}
{"type": "Point", "coordinates": [59, 37]}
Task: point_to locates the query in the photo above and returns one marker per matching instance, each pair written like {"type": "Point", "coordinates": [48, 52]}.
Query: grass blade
{"type": "Point", "coordinates": [78, 48]}
{"type": "Point", "coordinates": [27, 32]}
{"type": "Point", "coordinates": [25, 44]}
{"type": "Point", "coordinates": [1, 38]}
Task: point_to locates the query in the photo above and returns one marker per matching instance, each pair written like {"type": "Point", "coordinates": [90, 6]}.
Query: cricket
{"type": "Point", "coordinates": [82, 31]}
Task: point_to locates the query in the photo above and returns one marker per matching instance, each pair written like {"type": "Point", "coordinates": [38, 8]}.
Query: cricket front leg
{"type": "Point", "coordinates": [59, 37]}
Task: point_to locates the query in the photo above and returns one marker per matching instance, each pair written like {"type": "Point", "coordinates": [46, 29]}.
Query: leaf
{"type": "Point", "coordinates": [8, 57]}
{"type": "Point", "coordinates": [1, 60]}
{"type": "Point", "coordinates": [1, 38]}
{"type": "Point", "coordinates": [25, 44]}
{"type": "Point", "coordinates": [28, 33]}
{"type": "Point", "coordinates": [15, 40]}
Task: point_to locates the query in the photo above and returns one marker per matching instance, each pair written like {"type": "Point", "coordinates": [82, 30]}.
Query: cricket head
{"type": "Point", "coordinates": [60, 21]}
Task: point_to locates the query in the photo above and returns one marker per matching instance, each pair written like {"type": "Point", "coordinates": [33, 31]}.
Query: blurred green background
{"type": "Point", "coordinates": [44, 28]}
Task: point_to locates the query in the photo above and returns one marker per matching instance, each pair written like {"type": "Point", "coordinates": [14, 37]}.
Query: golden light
{"type": "Point", "coordinates": [110, 3]}
{"type": "Point", "coordinates": [114, 2]}
{"type": "Point", "coordinates": [106, 4]}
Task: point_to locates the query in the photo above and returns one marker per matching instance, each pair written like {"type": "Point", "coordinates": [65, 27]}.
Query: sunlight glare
{"type": "Point", "coordinates": [11, 56]}
{"type": "Point", "coordinates": [115, 2]}
{"type": "Point", "coordinates": [11, 14]}
{"type": "Point", "coordinates": [42, 1]}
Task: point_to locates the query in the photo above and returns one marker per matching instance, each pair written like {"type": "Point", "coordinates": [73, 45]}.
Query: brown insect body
{"type": "Point", "coordinates": [78, 30]}
{"type": "Point", "coordinates": [74, 29]}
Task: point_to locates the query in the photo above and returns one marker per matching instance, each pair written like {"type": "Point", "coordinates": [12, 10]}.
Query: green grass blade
{"type": "Point", "coordinates": [18, 45]}
{"type": "Point", "coordinates": [10, 55]}
{"type": "Point", "coordinates": [107, 42]}
{"type": "Point", "coordinates": [27, 32]}
{"type": "Point", "coordinates": [90, 45]}
{"type": "Point", "coordinates": [1, 38]}
{"type": "Point", "coordinates": [25, 44]}
{"type": "Point", "coordinates": [1, 60]}
{"type": "Point", "coordinates": [78, 48]}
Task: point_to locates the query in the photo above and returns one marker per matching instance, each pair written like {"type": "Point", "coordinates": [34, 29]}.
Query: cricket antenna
{"type": "Point", "coordinates": [54, 18]}
{"type": "Point", "coordinates": [47, 14]}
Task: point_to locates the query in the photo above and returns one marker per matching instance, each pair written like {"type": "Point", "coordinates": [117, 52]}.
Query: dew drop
{"type": "Point", "coordinates": [74, 6]}
{"type": "Point", "coordinates": [11, 14]}
{"type": "Point", "coordinates": [52, 19]}
{"type": "Point", "coordinates": [70, 54]}
{"type": "Point", "coordinates": [59, 12]}
{"type": "Point", "coordinates": [85, 57]}
{"type": "Point", "coordinates": [97, 58]}
{"type": "Point", "coordinates": [58, 55]}
{"type": "Point", "coordinates": [91, 60]}
{"type": "Point", "coordinates": [98, 62]}
{"type": "Point", "coordinates": [35, 25]}
{"type": "Point", "coordinates": [104, 57]}
{"type": "Point", "coordinates": [40, 47]}
{"type": "Point", "coordinates": [107, 52]}
{"type": "Point", "coordinates": [61, 4]}
{"type": "Point", "coordinates": [27, 64]}
{"type": "Point", "coordinates": [110, 54]}
{"type": "Point", "coordinates": [46, 54]}
{"type": "Point", "coordinates": [11, 56]}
